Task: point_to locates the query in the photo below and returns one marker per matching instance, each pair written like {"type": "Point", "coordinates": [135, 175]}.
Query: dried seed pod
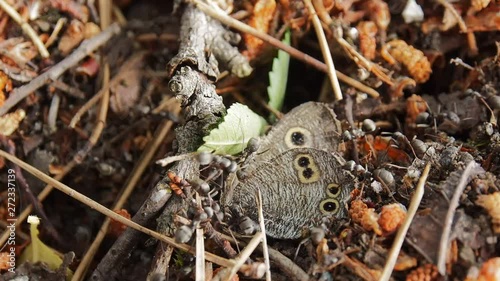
{"type": "Point", "coordinates": [367, 40]}
{"type": "Point", "coordinates": [426, 272]}
{"type": "Point", "coordinates": [493, 101]}
{"type": "Point", "coordinates": [183, 234]}
{"type": "Point", "coordinates": [391, 217]}
{"type": "Point", "coordinates": [225, 163]}
{"type": "Point", "coordinates": [491, 203]}
{"type": "Point", "coordinates": [416, 62]}
{"type": "Point", "coordinates": [423, 118]}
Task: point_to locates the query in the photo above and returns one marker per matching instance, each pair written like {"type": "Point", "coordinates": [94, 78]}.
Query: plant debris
{"type": "Point", "coordinates": [93, 93]}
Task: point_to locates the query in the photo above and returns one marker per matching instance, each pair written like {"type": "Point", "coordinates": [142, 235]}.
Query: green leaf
{"type": "Point", "coordinates": [279, 76]}
{"type": "Point", "coordinates": [37, 251]}
{"type": "Point", "coordinates": [231, 137]}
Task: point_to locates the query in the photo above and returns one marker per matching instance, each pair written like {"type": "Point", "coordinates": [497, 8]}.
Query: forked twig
{"type": "Point", "coordinates": [25, 27]}
{"type": "Point", "coordinates": [109, 213]}
{"type": "Point", "coordinates": [325, 50]}
{"type": "Point", "coordinates": [403, 229]}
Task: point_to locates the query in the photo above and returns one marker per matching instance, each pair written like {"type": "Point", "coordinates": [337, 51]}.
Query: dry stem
{"type": "Point", "coordinates": [325, 50]}
{"type": "Point", "coordinates": [403, 229]}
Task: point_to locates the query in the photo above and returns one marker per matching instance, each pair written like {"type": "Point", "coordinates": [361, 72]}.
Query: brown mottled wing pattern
{"type": "Point", "coordinates": [294, 187]}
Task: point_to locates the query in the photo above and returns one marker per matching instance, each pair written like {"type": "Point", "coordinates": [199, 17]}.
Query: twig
{"type": "Point", "coordinates": [87, 47]}
{"type": "Point", "coordinates": [72, 91]}
{"type": "Point", "coordinates": [25, 27]}
{"type": "Point", "coordinates": [107, 212]}
{"type": "Point", "coordinates": [135, 177]}
{"type": "Point", "coordinates": [403, 229]}
{"type": "Point", "coordinates": [448, 221]}
{"type": "Point", "coordinates": [53, 36]}
{"type": "Point", "coordinates": [325, 50]}
{"type": "Point", "coordinates": [358, 58]}
{"type": "Point", "coordinates": [101, 118]}
{"type": "Point", "coordinates": [244, 255]}
{"type": "Point", "coordinates": [265, 251]}
{"type": "Point", "coordinates": [105, 11]}
{"type": "Point", "coordinates": [200, 249]}
{"type": "Point", "coordinates": [286, 265]}
{"type": "Point", "coordinates": [227, 20]}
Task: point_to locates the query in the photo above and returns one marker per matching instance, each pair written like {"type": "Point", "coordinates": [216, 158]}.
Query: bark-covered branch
{"type": "Point", "coordinates": [194, 69]}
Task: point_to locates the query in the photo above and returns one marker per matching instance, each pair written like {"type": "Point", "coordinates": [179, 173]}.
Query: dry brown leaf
{"type": "Point", "coordinates": [125, 92]}
{"type": "Point", "coordinates": [10, 122]}
{"type": "Point", "coordinates": [486, 20]}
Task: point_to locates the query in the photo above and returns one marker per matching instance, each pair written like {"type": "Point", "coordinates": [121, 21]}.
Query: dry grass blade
{"type": "Point", "coordinates": [403, 229]}
{"type": "Point", "coordinates": [200, 249]}
{"type": "Point", "coordinates": [265, 250]}
{"type": "Point", "coordinates": [445, 236]}
{"type": "Point", "coordinates": [25, 27]}
{"type": "Point", "coordinates": [41, 196]}
{"type": "Point", "coordinates": [325, 50]}
{"type": "Point", "coordinates": [244, 255]}
{"type": "Point", "coordinates": [109, 213]}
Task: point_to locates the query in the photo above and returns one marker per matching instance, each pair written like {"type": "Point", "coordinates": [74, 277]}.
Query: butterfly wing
{"type": "Point", "coordinates": [299, 187]}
